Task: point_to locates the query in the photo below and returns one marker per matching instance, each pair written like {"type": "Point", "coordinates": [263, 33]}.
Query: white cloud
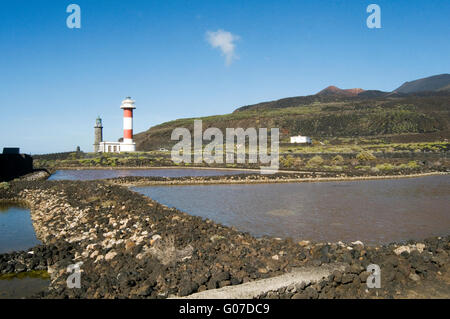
{"type": "Point", "coordinates": [224, 41]}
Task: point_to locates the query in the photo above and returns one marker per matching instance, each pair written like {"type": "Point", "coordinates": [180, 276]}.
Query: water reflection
{"type": "Point", "coordinates": [376, 211]}
{"type": "Point", "coordinates": [16, 229]}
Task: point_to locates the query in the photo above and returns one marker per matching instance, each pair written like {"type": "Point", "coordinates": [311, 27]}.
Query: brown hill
{"type": "Point", "coordinates": [333, 90]}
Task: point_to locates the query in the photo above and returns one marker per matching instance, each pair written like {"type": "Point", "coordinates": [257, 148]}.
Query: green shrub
{"type": "Point", "coordinates": [332, 168]}
{"type": "Point", "coordinates": [413, 165]}
{"type": "Point", "coordinates": [315, 161]}
{"type": "Point", "coordinates": [4, 185]}
{"type": "Point", "coordinates": [288, 161]}
{"type": "Point", "coordinates": [385, 167]}
{"type": "Point", "coordinates": [365, 156]}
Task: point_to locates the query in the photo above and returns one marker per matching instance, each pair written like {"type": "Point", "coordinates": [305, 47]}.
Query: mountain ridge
{"type": "Point", "coordinates": [434, 83]}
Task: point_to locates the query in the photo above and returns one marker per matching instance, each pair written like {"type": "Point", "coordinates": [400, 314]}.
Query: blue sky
{"type": "Point", "coordinates": [54, 81]}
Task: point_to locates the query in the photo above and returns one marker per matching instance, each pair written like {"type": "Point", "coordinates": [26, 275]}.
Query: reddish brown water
{"type": "Point", "coordinates": [373, 211]}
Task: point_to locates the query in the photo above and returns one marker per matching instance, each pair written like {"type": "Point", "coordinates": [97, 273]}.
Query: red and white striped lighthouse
{"type": "Point", "coordinates": [128, 145]}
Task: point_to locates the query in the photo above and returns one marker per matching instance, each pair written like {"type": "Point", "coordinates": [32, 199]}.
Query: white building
{"type": "Point", "coordinates": [301, 139]}
{"type": "Point", "coordinates": [109, 147]}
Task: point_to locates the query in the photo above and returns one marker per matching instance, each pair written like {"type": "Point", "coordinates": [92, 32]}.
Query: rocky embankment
{"type": "Point", "coordinates": [281, 177]}
{"type": "Point", "coordinates": [130, 246]}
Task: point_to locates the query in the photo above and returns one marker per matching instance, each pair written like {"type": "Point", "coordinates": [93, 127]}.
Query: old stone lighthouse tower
{"type": "Point", "coordinates": [98, 134]}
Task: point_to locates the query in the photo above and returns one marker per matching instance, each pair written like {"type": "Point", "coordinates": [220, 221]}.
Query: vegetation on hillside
{"type": "Point", "coordinates": [413, 117]}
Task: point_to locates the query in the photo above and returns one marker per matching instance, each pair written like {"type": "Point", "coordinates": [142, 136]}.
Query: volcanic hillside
{"type": "Point", "coordinates": [422, 115]}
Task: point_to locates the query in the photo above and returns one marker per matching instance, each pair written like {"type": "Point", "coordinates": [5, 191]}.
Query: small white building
{"type": "Point", "coordinates": [301, 139]}
{"type": "Point", "coordinates": [109, 147]}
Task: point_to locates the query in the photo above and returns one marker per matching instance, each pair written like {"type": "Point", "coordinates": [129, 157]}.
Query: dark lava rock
{"type": "Point", "coordinates": [236, 281]}
{"type": "Point", "coordinates": [347, 278]}
{"type": "Point", "coordinates": [221, 276]}
{"type": "Point", "coordinates": [224, 283]}
{"type": "Point", "coordinates": [311, 293]}
{"type": "Point", "coordinates": [337, 276]}
{"type": "Point", "coordinates": [187, 288]}
{"type": "Point", "coordinates": [299, 295]}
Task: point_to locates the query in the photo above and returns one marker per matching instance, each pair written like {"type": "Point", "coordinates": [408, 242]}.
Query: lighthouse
{"type": "Point", "coordinates": [98, 134]}
{"type": "Point", "coordinates": [127, 144]}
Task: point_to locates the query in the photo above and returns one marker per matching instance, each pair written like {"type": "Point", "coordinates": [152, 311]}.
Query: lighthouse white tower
{"type": "Point", "coordinates": [127, 144]}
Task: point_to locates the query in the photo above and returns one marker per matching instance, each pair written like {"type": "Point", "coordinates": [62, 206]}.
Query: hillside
{"type": "Point", "coordinates": [433, 83]}
{"type": "Point", "coordinates": [417, 111]}
{"type": "Point", "coordinates": [421, 116]}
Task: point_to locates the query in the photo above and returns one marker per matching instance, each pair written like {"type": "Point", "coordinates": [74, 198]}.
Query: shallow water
{"type": "Point", "coordinates": [91, 174]}
{"type": "Point", "coordinates": [373, 211]}
{"type": "Point", "coordinates": [16, 229]}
